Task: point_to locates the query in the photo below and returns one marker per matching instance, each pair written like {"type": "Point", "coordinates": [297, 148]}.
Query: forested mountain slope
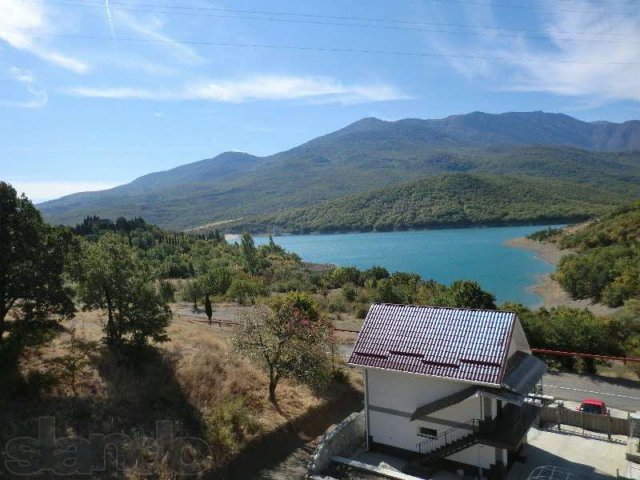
{"type": "Point", "coordinates": [447, 200]}
{"type": "Point", "coordinates": [368, 155]}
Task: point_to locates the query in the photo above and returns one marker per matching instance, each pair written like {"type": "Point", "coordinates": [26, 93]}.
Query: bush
{"type": "Point", "coordinates": [349, 292]}
{"type": "Point", "coordinates": [167, 291]}
{"type": "Point", "coordinates": [361, 311]}
{"type": "Point", "coordinates": [227, 425]}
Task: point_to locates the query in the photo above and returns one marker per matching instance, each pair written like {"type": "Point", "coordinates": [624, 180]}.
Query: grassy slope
{"type": "Point", "coordinates": [453, 199]}
{"type": "Point", "coordinates": [194, 380]}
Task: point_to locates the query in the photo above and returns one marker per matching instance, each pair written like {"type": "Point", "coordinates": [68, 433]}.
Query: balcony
{"type": "Point", "coordinates": [509, 427]}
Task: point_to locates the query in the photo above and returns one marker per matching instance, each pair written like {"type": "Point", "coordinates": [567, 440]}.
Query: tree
{"type": "Point", "coordinates": [214, 282]}
{"type": "Point", "coordinates": [112, 278]}
{"type": "Point", "coordinates": [208, 309]}
{"type": "Point", "coordinates": [193, 292]}
{"type": "Point", "coordinates": [468, 294]}
{"type": "Point", "coordinates": [249, 254]}
{"type": "Point", "coordinates": [290, 340]}
{"type": "Point", "coordinates": [245, 291]}
{"type": "Point", "coordinates": [32, 262]}
{"type": "Point", "coordinates": [75, 359]}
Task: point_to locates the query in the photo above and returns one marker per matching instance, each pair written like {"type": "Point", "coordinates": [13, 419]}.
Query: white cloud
{"type": "Point", "coordinates": [152, 29]}
{"type": "Point", "coordinates": [591, 51]}
{"type": "Point", "coordinates": [20, 24]}
{"type": "Point", "coordinates": [608, 68]}
{"type": "Point", "coordinates": [261, 87]}
{"type": "Point", "coordinates": [38, 96]}
{"type": "Point", "coordinates": [42, 191]}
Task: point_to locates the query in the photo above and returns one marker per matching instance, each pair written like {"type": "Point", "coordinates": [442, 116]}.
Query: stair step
{"type": "Point", "coordinates": [450, 448]}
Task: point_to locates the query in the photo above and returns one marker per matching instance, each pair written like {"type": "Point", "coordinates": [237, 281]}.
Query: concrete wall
{"type": "Point", "coordinates": [343, 440]}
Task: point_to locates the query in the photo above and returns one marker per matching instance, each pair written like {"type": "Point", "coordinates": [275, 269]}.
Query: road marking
{"type": "Point", "coordinates": [544, 385]}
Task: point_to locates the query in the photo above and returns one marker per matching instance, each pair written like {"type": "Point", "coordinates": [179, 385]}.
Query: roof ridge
{"type": "Point", "coordinates": [442, 307]}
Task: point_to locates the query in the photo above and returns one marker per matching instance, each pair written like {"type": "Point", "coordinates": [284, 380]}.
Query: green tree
{"type": "Point", "coordinates": [32, 262]}
{"type": "Point", "coordinates": [245, 291]}
{"type": "Point", "coordinates": [112, 278]}
{"type": "Point", "coordinates": [167, 291]}
{"type": "Point", "coordinates": [193, 292]}
{"type": "Point", "coordinates": [249, 254]}
{"type": "Point", "coordinates": [573, 330]}
{"type": "Point", "coordinates": [214, 282]}
{"type": "Point", "coordinates": [75, 359]}
{"type": "Point", "coordinates": [208, 308]}
{"type": "Point", "coordinates": [469, 294]}
{"type": "Point", "coordinates": [290, 340]}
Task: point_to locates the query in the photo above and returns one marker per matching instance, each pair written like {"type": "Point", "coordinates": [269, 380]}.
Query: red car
{"type": "Point", "coordinates": [593, 405]}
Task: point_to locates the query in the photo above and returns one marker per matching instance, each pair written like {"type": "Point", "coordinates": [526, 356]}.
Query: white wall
{"type": "Point", "coordinates": [478, 455]}
{"type": "Point", "coordinates": [519, 340]}
{"type": "Point", "coordinates": [403, 393]}
{"type": "Point", "coordinates": [406, 392]}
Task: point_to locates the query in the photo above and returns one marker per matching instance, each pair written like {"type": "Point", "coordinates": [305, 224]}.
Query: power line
{"type": "Point", "coordinates": [187, 10]}
{"type": "Point", "coordinates": [527, 7]}
{"type": "Point", "coordinates": [342, 50]}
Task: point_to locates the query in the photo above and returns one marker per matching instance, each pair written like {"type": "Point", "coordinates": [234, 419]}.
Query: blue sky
{"type": "Point", "coordinates": [94, 93]}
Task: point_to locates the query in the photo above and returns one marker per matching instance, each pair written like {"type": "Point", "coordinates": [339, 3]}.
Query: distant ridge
{"type": "Point", "coordinates": [370, 154]}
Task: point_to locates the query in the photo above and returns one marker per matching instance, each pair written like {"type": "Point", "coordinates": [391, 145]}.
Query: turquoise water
{"type": "Point", "coordinates": [445, 255]}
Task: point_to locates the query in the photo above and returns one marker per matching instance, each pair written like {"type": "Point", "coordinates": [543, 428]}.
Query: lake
{"type": "Point", "coordinates": [445, 255]}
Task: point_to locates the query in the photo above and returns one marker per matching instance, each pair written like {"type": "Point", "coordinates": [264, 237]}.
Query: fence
{"type": "Point", "coordinates": [587, 421]}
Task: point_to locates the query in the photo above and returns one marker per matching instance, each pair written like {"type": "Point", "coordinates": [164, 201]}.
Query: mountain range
{"type": "Point", "coordinates": [373, 154]}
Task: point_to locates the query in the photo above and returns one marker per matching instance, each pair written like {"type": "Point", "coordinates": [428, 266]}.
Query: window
{"type": "Point", "coordinates": [427, 432]}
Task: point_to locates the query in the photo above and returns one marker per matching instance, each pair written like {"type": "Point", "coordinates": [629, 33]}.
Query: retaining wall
{"type": "Point", "coordinates": [343, 440]}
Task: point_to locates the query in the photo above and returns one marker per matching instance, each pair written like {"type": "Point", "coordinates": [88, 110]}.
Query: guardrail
{"type": "Point", "coordinates": [560, 353]}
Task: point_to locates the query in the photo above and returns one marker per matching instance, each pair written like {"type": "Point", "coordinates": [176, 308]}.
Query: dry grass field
{"type": "Point", "coordinates": [195, 381]}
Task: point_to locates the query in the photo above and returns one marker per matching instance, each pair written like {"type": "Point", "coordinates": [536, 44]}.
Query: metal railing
{"type": "Point", "coordinates": [449, 436]}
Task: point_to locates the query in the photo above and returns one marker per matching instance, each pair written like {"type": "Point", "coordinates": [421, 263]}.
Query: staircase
{"type": "Point", "coordinates": [449, 442]}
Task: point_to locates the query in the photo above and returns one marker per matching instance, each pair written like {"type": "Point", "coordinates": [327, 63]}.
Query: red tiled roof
{"type": "Point", "coordinates": [460, 344]}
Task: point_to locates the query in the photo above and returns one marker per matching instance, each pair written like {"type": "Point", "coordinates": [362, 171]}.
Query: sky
{"type": "Point", "coordinates": [94, 93]}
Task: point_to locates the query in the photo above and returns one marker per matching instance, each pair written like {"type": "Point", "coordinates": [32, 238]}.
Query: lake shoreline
{"type": "Point", "coordinates": [550, 291]}
{"type": "Point", "coordinates": [555, 222]}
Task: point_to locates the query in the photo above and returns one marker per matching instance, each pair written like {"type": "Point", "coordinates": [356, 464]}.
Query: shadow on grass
{"type": "Point", "coordinates": [142, 389]}
{"type": "Point", "coordinates": [269, 450]}
{"type": "Point", "coordinates": [23, 335]}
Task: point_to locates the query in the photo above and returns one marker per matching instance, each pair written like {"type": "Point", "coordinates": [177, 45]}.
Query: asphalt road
{"type": "Point", "coordinates": [616, 393]}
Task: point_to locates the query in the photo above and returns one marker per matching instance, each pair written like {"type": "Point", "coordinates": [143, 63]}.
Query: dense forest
{"type": "Point", "coordinates": [605, 265]}
{"type": "Point", "coordinates": [440, 201]}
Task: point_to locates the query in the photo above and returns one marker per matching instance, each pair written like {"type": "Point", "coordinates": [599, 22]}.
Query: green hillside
{"type": "Point", "coordinates": [446, 200]}
{"type": "Point", "coordinates": [606, 265]}
{"type": "Point", "coordinates": [368, 155]}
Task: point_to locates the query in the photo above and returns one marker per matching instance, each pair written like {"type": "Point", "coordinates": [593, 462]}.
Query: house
{"type": "Point", "coordinates": [447, 384]}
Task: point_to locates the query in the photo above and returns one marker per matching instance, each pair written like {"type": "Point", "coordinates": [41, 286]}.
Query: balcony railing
{"type": "Point", "coordinates": [505, 431]}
